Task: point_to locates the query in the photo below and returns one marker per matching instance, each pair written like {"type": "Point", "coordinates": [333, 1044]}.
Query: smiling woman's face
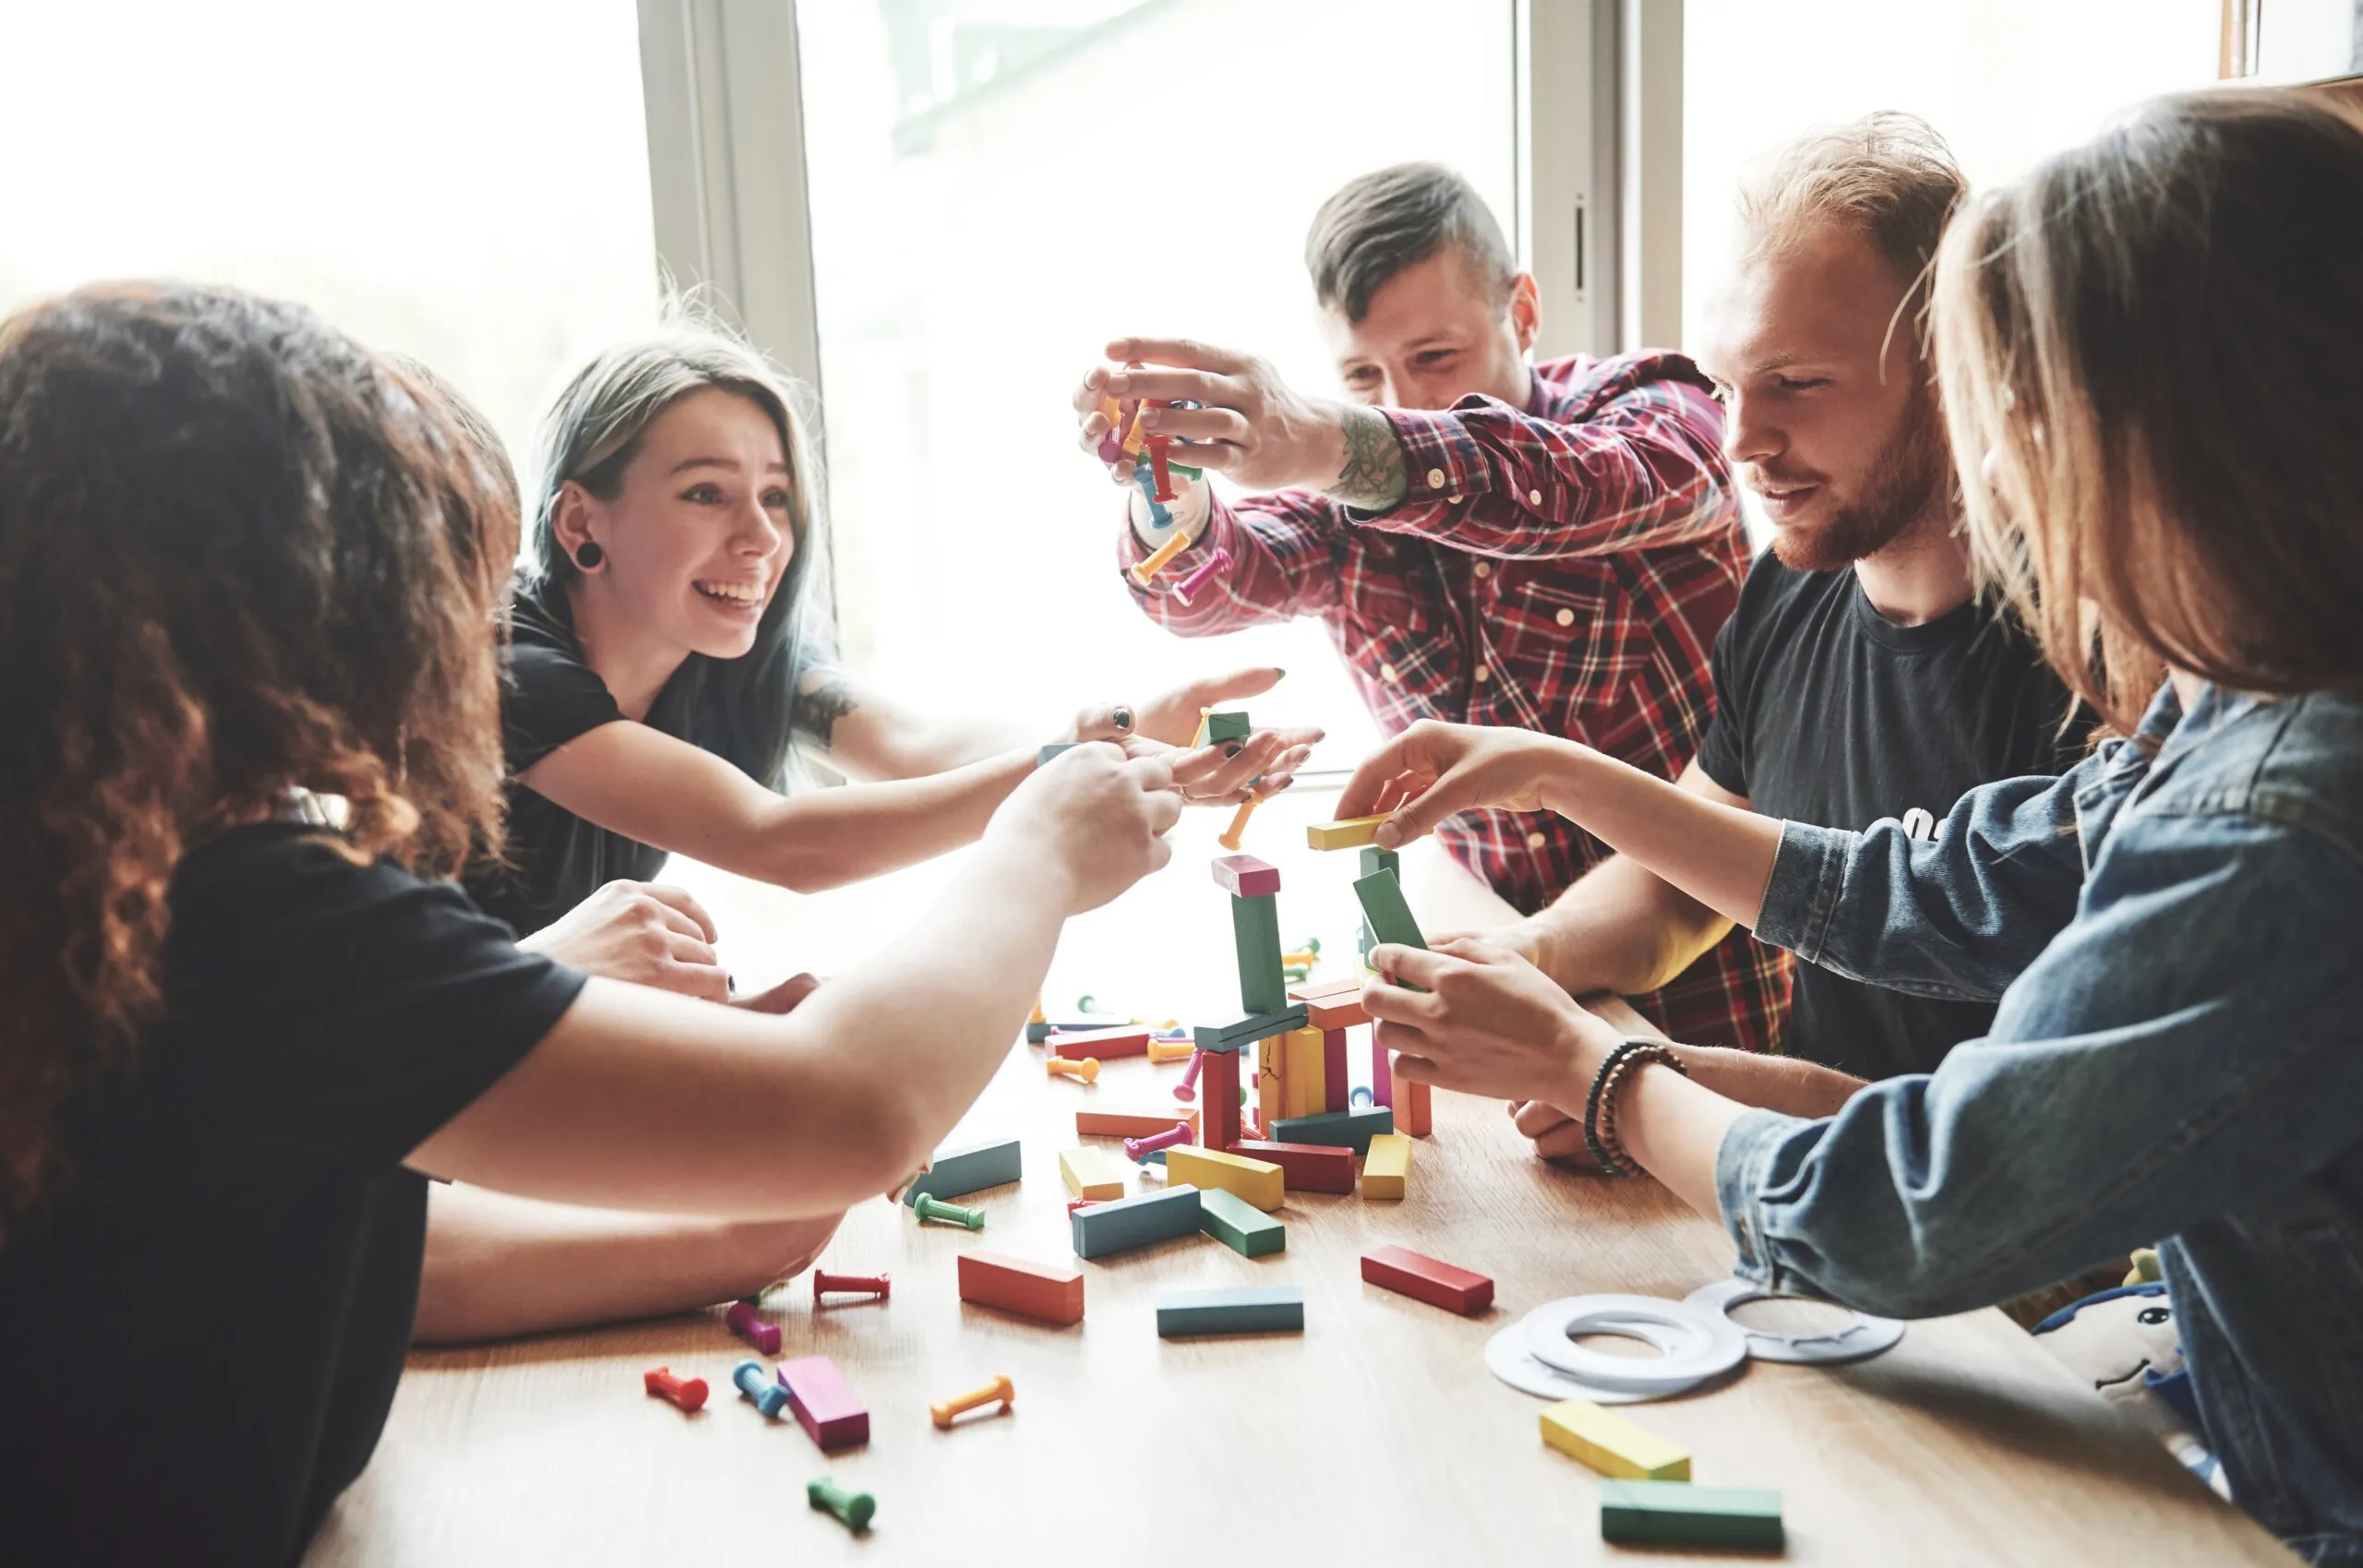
{"type": "Point", "coordinates": [698, 536]}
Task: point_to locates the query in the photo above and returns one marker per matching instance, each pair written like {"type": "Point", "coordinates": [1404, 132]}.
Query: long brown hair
{"type": "Point", "coordinates": [239, 556]}
{"type": "Point", "coordinates": [2151, 350]}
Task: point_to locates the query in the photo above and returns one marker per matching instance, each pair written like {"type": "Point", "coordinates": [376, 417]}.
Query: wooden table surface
{"type": "Point", "coordinates": [1377, 1436]}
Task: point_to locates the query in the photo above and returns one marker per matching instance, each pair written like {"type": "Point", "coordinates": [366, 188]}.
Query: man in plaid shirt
{"type": "Point", "coordinates": [1552, 547]}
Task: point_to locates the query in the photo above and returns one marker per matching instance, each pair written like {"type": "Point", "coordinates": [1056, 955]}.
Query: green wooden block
{"type": "Point", "coordinates": [1226, 727]}
{"type": "Point", "coordinates": [1390, 917]}
{"type": "Point", "coordinates": [1247, 1028]}
{"type": "Point", "coordinates": [1677, 1514]}
{"type": "Point", "coordinates": [1255, 928]}
{"type": "Point", "coordinates": [1044, 755]}
{"type": "Point", "coordinates": [1238, 1225]}
{"type": "Point", "coordinates": [1335, 1129]}
{"type": "Point", "coordinates": [1271, 1309]}
{"type": "Point", "coordinates": [1376, 859]}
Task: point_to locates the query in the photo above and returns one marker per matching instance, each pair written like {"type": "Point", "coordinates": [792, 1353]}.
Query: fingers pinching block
{"type": "Point", "coordinates": [744, 1323]}
{"type": "Point", "coordinates": [1222, 726]}
{"type": "Point", "coordinates": [687, 1392]}
{"type": "Point", "coordinates": [822, 1405]}
{"type": "Point", "coordinates": [756, 1385]}
{"type": "Point", "coordinates": [855, 1510]}
{"type": "Point", "coordinates": [1389, 916]}
{"type": "Point", "coordinates": [1350, 832]}
{"type": "Point", "coordinates": [1084, 1071]}
{"type": "Point", "coordinates": [999, 1390]}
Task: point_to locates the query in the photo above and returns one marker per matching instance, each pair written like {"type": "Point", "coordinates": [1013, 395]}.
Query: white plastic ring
{"type": "Point", "coordinates": [1507, 1359]}
{"type": "Point", "coordinates": [1867, 1336]}
{"type": "Point", "coordinates": [1697, 1344]}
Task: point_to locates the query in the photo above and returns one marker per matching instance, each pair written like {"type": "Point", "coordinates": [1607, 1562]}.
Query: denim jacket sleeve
{"type": "Point", "coordinates": [2187, 1039]}
{"type": "Point", "coordinates": [1956, 916]}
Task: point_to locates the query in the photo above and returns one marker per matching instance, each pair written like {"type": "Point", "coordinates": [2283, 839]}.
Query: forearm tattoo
{"type": "Point", "coordinates": [1373, 478]}
{"type": "Point", "coordinates": [819, 707]}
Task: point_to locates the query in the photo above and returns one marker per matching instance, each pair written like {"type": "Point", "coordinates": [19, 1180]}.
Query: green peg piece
{"type": "Point", "coordinates": [855, 1508]}
{"type": "Point", "coordinates": [929, 1208]}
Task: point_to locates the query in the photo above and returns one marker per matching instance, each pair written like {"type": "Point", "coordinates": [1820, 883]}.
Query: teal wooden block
{"type": "Point", "coordinates": [1043, 755]}
{"type": "Point", "coordinates": [1267, 1308]}
{"type": "Point", "coordinates": [1255, 931]}
{"type": "Point", "coordinates": [1239, 1224]}
{"type": "Point", "coordinates": [1226, 727]}
{"type": "Point", "coordinates": [1244, 1029]}
{"type": "Point", "coordinates": [1038, 1034]}
{"type": "Point", "coordinates": [1335, 1129]}
{"type": "Point", "coordinates": [1389, 916]}
{"type": "Point", "coordinates": [1375, 859]}
{"type": "Point", "coordinates": [1677, 1514]}
{"type": "Point", "coordinates": [955, 1173]}
{"type": "Point", "coordinates": [1125, 1223]}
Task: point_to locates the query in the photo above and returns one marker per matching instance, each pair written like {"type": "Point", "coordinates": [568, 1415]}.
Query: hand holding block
{"type": "Point", "coordinates": [1389, 916]}
{"type": "Point", "coordinates": [1612, 1445]}
{"type": "Point", "coordinates": [1350, 832]}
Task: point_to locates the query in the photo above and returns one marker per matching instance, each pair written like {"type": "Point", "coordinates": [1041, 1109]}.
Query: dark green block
{"type": "Point", "coordinates": [1335, 1129]}
{"type": "Point", "coordinates": [1238, 1225]}
{"type": "Point", "coordinates": [1377, 859]}
{"type": "Point", "coordinates": [1226, 727]}
{"type": "Point", "coordinates": [1232, 1034]}
{"type": "Point", "coordinates": [1043, 755]}
{"type": "Point", "coordinates": [1390, 917]}
{"type": "Point", "coordinates": [1677, 1514]}
{"type": "Point", "coordinates": [1255, 928]}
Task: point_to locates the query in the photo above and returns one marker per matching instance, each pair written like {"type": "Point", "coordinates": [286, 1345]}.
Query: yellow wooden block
{"type": "Point", "coordinates": [1386, 1169]}
{"type": "Point", "coordinates": [1095, 1173]}
{"type": "Point", "coordinates": [1257, 1181]}
{"type": "Point", "coordinates": [1306, 1057]}
{"type": "Point", "coordinates": [1611, 1444]}
{"type": "Point", "coordinates": [1351, 833]}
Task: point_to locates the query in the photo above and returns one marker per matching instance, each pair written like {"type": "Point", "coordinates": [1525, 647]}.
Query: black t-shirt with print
{"type": "Point", "coordinates": [201, 1329]}
{"type": "Point", "coordinates": [1827, 712]}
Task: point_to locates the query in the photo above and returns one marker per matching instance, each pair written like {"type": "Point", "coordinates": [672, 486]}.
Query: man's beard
{"type": "Point", "coordinates": [1911, 473]}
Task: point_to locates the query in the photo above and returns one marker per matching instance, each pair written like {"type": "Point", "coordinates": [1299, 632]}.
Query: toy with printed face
{"type": "Point", "coordinates": [2124, 1342]}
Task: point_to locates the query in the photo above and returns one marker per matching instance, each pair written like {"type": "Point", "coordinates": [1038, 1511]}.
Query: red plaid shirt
{"type": "Point", "coordinates": [1562, 568]}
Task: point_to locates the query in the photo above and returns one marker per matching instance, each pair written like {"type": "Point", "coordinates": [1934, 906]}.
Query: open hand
{"type": "Point", "coordinates": [1487, 1023]}
{"type": "Point", "coordinates": [1214, 774]}
{"type": "Point", "coordinates": [641, 932]}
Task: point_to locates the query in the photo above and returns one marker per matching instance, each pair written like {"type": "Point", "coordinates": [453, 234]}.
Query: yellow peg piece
{"type": "Point", "coordinates": [1230, 837]}
{"type": "Point", "coordinates": [999, 1390]}
{"type": "Point", "coordinates": [1086, 1070]}
{"type": "Point", "coordinates": [1163, 1051]}
{"type": "Point", "coordinates": [1157, 558]}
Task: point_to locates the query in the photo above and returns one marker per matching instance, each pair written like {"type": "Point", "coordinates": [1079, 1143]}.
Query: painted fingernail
{"type": "Point", "coordinates": [1279, 674]}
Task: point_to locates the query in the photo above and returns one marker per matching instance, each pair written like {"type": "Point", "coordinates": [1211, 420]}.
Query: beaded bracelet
{"type": "Point", "coordinates": [1599, 1106]}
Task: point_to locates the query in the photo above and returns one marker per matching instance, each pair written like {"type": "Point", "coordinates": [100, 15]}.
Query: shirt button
{"type": "Point", "coordinates": [1565, 617]}
{"type": "Point", "coordinates": [1387, 674]}
{"type": "Point", "coordinates": [1435, 479]}
{"type": "Point", "coordinates": [1484, 569]}
{"type": "Point", "coordinates": [1537, 840]}
{"type": "Point", "coordinates": [1534, 497]}
{"type": "Point", "coordinates": [1484, 674]}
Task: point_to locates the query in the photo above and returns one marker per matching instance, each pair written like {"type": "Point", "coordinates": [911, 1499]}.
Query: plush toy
{"type": "Point", "coordinates": [2125, 1343]}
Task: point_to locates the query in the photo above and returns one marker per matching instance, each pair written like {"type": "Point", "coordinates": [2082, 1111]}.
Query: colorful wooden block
{"type": "Point", "coordinates": [1050, 1293]}
{"type": "Point", "coordinates": [1334, 1082]}
{"type": "Point", "coordinates": [1225, 726]}
{"type": "Point", "coordinates": [1677, 1514]}
{"type": "Point", "coordinates": [1245, 1028]}
{"type": "Point", "coordinates": [1255, 933]}
{"type": "Point", "coordinates": [1270, 1309]}
{"type": "Point", "coordinates": [1238, 1225]}
{"type": "Point", "coordinates": [1243, 876]}
{"type": "Point", "coordinates": [1103, 1043]}
{"type": "Point", "coordinates": [822, 1405]}
{"type": "Point", "coordinates": [1318, 990]}
{"type": "Point", "coordinates": [1350, 832]}
{"type": "Point", "coordinates": [1389, 916]}
{"type": "Point", "coordinates": [1381, 1075]}
{"type": "Point", "coordinates": [1376, 859]}
{"type": "Point", "coordinates": [1131, 1124]}
{"type": "Point", "coordinates": [1043, 755]}
{"type": "Point", "coordinates": [1307, 1052]}
{"type": "Point", "coordinates": [1412, 1111]}
{"type": "Point", "coordinates": [1037, 1032]}
{"type": "Point", "coordinates": [1427, 1279]}
{"type": "Point", "coordinates": [1305, 1167]}
{"type": "Point", "coordinates": [1345, 1129]}
{"type": "Point", "coordinates": [1612, 1446]}
{"type": "Point", "coordinates": [1219, 1129]}
{"type": "Point", "coordinates": [1258, 1181]}
{"type": "Point", "coordinates": [1139, 1221]}
{"type": "Point", "coordinates": [1386, 1165]}
{"type": "Point", "coordinates": [1271, 1077]}
{"type": "Point", "coordinates": [955, 1173]}
{"type": "Point", "coordinates": [1095, 1173]}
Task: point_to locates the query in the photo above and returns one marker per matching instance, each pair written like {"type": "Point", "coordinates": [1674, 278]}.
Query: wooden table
{"type": "Point", "coordinates": [1376, 1437]}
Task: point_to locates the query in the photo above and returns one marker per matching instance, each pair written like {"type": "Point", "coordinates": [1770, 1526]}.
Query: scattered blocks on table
{"type": "Point", "coordinates": [1412, 1108]}
{"type": "Point", "coordinates": [687, 1392]}
{"type": "Point", "coordinates": [1084, 1071]}
{"type": "Point", "coordinates": [1000, 1391]}
{"type": "Point", "coordinates": [1343, 1129]}
{"type": "Point", "coordinates": [1255, 931]}
{"type": "Point", "coordinates": [748, 1326]}
{"type": "Point", "coordinates": [1387, 1167]}
{"type": "Point", "coordinates": [1264, 1308]}
{"type": "Point", "coordinates": [1334, 1082]}
{"type": "Point", "coordinates": [1050, 1293]}
{"type": "Point", "coordinates": [1139, 1221]}
{"type": "Point", "coordinates": [955, 1173]}
{"type": "Point", "coordinates": [1428, 1279]}
{"type": "Point", "coordinates": [827, 1284]}
{"type": "Point", "coordinates": [1094, 1173]}
{"type": "Point", "coordinates": [1350, 832]}
{"type": "Point", "coordinates": [1331, 1004]}
{"type": "Point", "coordinates": [1222, 726]}
{"type": "Point", "coordinates": [855, 1510]}
{"type": "Point", "coordinates": [1131, 1124]}
{"type": "Point", "coordinates": [1238, 1225]}
{"type": "Point", "coordinates": [1677, 1514]}
{"type": "Point", "coordinates": [1124, 1039]}
{"type": "Point", "coordinates": [1247, 1028]}
{"type": "Point", "coordinates": [1305, 1167]}
{"type": "Point", "coordinates": [930, 1208]}
{"type": "Point", "coordinates": [1612, 1445]}
{"type": "Point", "coordinates": [822, 1405]}
{"type": "Point", "coordinates": [1257, 1181]}
{"type": "Point", "coordinates": [754, 1380]}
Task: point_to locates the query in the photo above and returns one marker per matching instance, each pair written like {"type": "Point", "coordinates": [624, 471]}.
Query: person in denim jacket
{"type": "Point", "coordinates": [2149, 351]}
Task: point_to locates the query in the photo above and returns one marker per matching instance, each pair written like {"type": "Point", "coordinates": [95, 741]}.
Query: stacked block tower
{"type": "Point", "coordinates": [1265, 1013]}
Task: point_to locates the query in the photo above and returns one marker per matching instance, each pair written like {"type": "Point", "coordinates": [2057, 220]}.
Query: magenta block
{"type": "Point", "coordinates": [1243, 876]}
{"type": "Point", "coordinates": [1333, 1068]}
{"type": "Point", "coordinates": [822, 1405]}
{"type": "Point", "coordinates": [1381, 1075]}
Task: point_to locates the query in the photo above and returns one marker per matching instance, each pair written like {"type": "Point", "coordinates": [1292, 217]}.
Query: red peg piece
{"type": "Point", "coordinates": [1138, 1149]}
{"type": "Point", "coordinates": [687, 1392]}
{"type": "Point", "coordinates": [880, 1285]}
{"type": "Point", "coordinates": [743, 1322]}
{"type": "Point", "coordinates": [1183, 590]}
{"type": "Point", "coordinates": [1188, 1088]}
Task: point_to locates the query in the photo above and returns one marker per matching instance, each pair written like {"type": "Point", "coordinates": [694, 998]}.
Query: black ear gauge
{"type": "Point", "coordinates": [588, 555]}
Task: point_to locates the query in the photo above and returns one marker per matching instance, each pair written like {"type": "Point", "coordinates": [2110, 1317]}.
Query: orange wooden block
{"type": "Point", "coordinates": [1411, 1110]}
{"type": "Point", "coordinates": [1122, 1040]}
{"type": "Point", "coordinates": [1050, 1293]}
{"type": "Point", "coordinates": [1131, 1124]}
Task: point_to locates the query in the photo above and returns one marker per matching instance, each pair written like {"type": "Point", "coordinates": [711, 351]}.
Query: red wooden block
{"type": "Point", "coordinates": [1243, 876]}
{"type": "Point", "coordinates": [1305, 1167]}
{"type": "Point", "coordinates": [1052, 1293]}
{"type": "Point", "coordinates": [824, 1407]}
{"type": "Point", "coordinates": [1130, 1124]}
{"type": "Point", "coordinates": [1411, 1109]}
{"type": "Point", "coordinates": [1218, 1094]}
{"type": "Point", "coordinates": [1425, 1279]}
{"type": "Point", "coordinates": [1131, 1040]}
{"type": "Point", "coordinates": [1333, 1068]}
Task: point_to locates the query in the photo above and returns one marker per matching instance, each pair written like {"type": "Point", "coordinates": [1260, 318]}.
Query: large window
{"type": "Point", "coordinates": [464, 181]}
{"type": "Point", "coordinates": [999, 186]}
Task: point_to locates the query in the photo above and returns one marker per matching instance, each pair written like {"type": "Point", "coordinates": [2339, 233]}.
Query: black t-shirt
{"type": "Point", "coordinates": [1828, 714]}
{"type": "Point", "coordinates": [201, 1332]}
{"type": "Point", "coordinates": [549, 695]}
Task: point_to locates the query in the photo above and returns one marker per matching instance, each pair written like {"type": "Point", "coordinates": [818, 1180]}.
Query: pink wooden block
{"type": "Point", "coordinates": [1122, 1039]}
{"type": "Point", "coordinates": [1382, 1074]}
{"type": "Point", "coordinates": [824, 1407]}
{"type": "Point", "coordinates": [1333, 1068]}
{"type": "Point", "coordinates": [1243, 876]}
